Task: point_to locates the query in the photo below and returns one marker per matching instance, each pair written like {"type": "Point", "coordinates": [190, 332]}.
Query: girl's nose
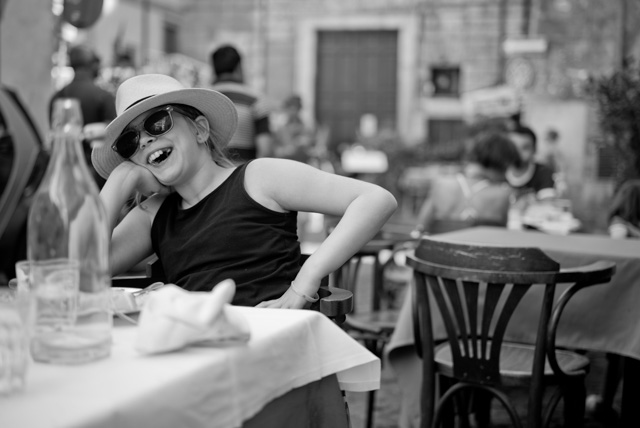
{"type": "Point", "coordinates": [145, 140]}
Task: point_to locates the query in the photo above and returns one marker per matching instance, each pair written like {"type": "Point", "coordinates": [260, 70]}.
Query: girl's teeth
{"type": "Point", "coordinates": [159, 156]}
{"type": "Point", "coordinates": [155, 155]}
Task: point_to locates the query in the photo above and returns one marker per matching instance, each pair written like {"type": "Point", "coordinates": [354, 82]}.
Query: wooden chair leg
{"type": "Point", "coordinates": [482, 408]}
{"type": "Point", "coordinates": [600, 407]}
{"type": "Point", "coordinates": [371, 405]}
{"type": "Point", "coordinates": [462, 404]}
{"type": "Point", "coordinates": [447, 411]}
{"type": "Point", "coordinates": [574, 395]}
{"type": "Point", "coordinates": [611, 380]}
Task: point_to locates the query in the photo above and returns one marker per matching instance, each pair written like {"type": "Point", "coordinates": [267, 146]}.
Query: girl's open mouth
{"type": "Point", "coordinates": [159, 156]}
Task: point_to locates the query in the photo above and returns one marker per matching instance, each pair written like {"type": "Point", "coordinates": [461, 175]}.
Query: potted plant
{"type": "Point", "coordinates": [617, 98]}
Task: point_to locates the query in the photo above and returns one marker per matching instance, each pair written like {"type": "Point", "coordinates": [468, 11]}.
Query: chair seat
{"type": "Point", "coordinates": [516, 361]}
{"type": "Point", "coordinates": [377, 322]}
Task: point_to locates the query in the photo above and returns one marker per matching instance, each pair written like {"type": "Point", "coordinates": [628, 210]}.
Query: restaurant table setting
{"type": "Point", "coordinates": [192, 360]}
{"type": "Point", "coordinates": [551, 216]}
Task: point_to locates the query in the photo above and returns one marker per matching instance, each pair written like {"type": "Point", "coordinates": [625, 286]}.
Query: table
{"type": "Point", "coordinates": [612, 324]}
{"type": "Point", "coordinates": [294, 357]}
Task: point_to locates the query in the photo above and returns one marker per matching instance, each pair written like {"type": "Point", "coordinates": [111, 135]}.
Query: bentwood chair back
{"type": "Point", "coordinates": [23, 162]}
{"type": "Point", "coordinates": [476, 290]}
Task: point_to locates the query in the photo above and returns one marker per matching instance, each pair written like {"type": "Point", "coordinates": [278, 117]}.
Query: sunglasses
{"type": "Point", "coordinates": [156, 124]}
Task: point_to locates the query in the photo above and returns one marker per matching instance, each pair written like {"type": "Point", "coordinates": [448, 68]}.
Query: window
{"type": "Point", "coordinates": [445, 81]}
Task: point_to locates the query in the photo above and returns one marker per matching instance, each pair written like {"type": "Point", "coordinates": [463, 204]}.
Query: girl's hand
{"type": "Point", "coordinates": [141, 178]}
{"type": "Point", "coordinates": [289, 300]}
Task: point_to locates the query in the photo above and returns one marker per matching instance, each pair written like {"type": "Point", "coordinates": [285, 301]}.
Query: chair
{"type": "Point", "coordinates": [335, 303]}
{"type": "Point", "coordinates": [23, 162]}
{"type": "Point", "coordinates": [477, 289]}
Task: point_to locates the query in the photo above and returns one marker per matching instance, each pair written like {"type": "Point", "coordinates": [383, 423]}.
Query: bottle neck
{"type": "Point", "coordinates": [67, 154]}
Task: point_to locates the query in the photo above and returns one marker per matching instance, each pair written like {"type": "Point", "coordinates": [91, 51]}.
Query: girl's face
{"type": "Point", "coordinates": [171, 156]}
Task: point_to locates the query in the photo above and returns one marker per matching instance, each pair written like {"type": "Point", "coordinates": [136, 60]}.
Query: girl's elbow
{"type": "Point", "coordinates": [390, 203]}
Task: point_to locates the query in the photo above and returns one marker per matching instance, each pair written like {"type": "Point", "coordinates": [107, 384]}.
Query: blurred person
{"type": "Point", "coordinates": [479, 194]}
{"type": "Point", "coordinates": [253, 138]}
{"type": "Point", "coordinates": [295, 139]}
{"type": "Point", "coordinates": [96, 103]}
{"type": "Point", "coordinates": [551, 156]}
{"type": "Point", "coordinates": [549, 153]}
{"type": "Point", "coordinates": [529, 178]}
{"type": "Point", "coordinates": [624, 212]}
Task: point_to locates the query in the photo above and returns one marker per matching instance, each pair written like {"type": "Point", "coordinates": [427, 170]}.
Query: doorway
{"type": "Point", "coordinates": [356, 75]}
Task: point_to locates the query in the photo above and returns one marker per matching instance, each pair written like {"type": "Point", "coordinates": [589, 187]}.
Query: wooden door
{"type": "Point", "coordinates": [356, 75]}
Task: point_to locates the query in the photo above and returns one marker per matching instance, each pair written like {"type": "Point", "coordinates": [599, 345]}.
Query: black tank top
{"type": "Point", "coordinates": [227, 235]}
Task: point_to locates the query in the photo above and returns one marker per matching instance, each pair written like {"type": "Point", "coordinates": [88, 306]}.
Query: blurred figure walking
{"type": "Point", "coordinates": [98, 105]}
{"type": "Point", "coordinates": [253, 138]}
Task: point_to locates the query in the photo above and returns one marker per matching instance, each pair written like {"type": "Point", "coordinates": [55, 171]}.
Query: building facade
{"type": "Point", "coordinates": [418, 67]}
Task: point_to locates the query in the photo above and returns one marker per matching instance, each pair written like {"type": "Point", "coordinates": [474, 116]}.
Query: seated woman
{"type": "Point", "coordinates": [624, 214]}
{"type": "Point", "coordinates": [207, 219]}
{"type": "Point", "coordinates": [479, 195]}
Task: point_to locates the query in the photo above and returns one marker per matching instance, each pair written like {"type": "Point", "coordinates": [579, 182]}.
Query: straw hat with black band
{"type": "Point", "coordinates": [147, 91]}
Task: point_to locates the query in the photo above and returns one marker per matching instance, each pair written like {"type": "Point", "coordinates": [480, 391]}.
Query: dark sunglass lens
{"type": "Point", "coordinates": [127, 144]}
{"type": "Point", "coordinates": [158, 123]}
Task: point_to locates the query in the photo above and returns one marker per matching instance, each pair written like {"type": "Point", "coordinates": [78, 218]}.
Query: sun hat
{"type": "Point", "coordinates": [147, 91]}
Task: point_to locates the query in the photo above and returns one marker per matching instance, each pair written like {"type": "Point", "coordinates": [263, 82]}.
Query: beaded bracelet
{"type": "Point", "coordinates": [304, 296]}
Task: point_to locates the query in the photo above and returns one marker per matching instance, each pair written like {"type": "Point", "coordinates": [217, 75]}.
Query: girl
{"type": "Point", "coordinates": [208, 220]}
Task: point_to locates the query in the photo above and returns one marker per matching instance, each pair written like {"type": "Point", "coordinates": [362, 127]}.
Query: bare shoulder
{"type": "Point", "coordinates": [273, 173]}
{"type": "Point", "coordinates": [276, 166]}
{"type": "Point", "coordinates": [265, 178]}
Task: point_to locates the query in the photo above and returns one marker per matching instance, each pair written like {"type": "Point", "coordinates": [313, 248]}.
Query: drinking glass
{"type": "Point", "coordinates": [14, 344]}
{"type": "Point", "coordinates": [55, 285]}
{"type": "Point", "coordinates": [24, 294]}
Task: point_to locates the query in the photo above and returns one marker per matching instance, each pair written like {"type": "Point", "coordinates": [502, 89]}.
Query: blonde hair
{"type": "Point", "coordinates": [217, 151]}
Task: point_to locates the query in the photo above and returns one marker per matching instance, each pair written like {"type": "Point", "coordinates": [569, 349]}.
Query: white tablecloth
{"type": "Point", "coordinates": [197, 386]}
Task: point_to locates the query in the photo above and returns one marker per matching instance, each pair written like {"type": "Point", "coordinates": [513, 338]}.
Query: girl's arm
{"type": "Point", "coordinates": [130, 238]}
{"type": "Point", "coordinates": [364, 208]}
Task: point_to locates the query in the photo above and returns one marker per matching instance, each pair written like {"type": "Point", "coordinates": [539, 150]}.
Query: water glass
{"type": "Point", "coordinates": [55, 285]}
{"type": "Point", "coordinates": [24, 295]}
{"type": "Point", "coordinates": [14, 344]}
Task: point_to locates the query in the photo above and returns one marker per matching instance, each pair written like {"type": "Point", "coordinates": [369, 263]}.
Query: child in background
{"type": "Point", "coordinates": [624, 215]}
{"type": "Point", "coordinates": [207, 219]}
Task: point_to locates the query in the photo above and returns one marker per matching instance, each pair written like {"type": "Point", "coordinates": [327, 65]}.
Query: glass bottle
{"type": "Point", "coordinates": [68, 222]}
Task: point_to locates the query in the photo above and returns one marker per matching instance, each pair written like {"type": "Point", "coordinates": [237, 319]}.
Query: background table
{"type": "Point", "coordinates": [202, 386]}
{"type": "Point", "coordinates": [603, 318]}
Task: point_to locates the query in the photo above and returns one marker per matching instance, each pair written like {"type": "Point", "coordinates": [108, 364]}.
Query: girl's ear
{"type": "Point", "coordinates": [202, 129]}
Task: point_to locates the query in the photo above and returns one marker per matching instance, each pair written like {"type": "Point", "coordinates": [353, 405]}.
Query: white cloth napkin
{"type": "Point", "coordinates": [173, 318]}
